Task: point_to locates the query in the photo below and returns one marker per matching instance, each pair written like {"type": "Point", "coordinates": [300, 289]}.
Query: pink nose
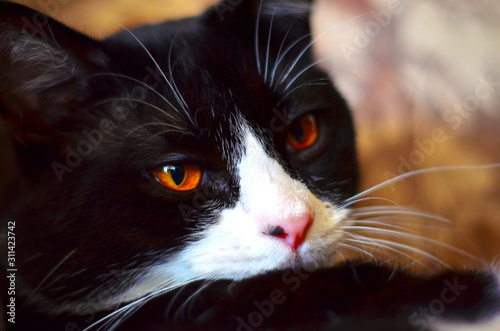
{"type": "Point", "coordinates": [292, 231]}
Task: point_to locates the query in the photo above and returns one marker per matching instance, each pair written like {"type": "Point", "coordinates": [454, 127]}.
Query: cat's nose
{"type": "Point", "coordinates": [292, 231]}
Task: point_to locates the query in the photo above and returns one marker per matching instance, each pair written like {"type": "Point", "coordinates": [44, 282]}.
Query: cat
{"type": "Point", "coordinates": [192, 174]}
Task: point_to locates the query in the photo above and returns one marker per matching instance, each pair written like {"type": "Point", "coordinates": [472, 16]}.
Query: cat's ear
{"type": "Point", "coordinates": [284, 13]}
{"type": "Point", "coordinates": [278, 31]}
{"type": "Point", "coordinates": [42, 66]}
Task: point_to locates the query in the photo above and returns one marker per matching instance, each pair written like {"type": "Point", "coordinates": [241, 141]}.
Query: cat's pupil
{"type": "Point", "coordinates": [178, 174]}
{"type": "Point", "coordinates": [297, 131]}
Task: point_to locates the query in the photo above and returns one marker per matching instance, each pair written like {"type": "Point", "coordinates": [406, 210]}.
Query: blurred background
{"type": "Point", "coordinates": [423, 81]}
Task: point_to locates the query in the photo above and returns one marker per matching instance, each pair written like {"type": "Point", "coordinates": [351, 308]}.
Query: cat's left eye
{"type": "Point", "coordinates": [179, 177]}
{"type": "Point", "coordinates": [303, 132]}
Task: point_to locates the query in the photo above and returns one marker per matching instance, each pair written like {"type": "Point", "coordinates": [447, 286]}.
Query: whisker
{"type": "Point", "coordinates": [131, 100]}
{"type": "Point", "coordinates": [276, 63]}
{"type": "Point", "coordinates": [399, 252]}
{"type": "Point", "coordinates": [302, 72]}
{"type": "Point", "coordinates": [383, 224]}
{"type": "Point", "coordinates": [64, 259]}
{"type": "Point", "coordinates": [172, 301]}
{"type": "Point", "coordinates": [257, 52]}
{"type": "Point", "coordinates": [158, 67]}
{"type": "Point", "coordinates": [421, 172]}
{"type": "Point", "coordinates": [347, 204]}
{"type": "Point", "coordinates": [357, 249]}
{"type": "Point", "coordinates": [352, 235]}
{"type": "Point", "coordinates": [287, 50]}
{"type": "Point", "coordinates": [141, 301]}
{"type": "Point", "coordinates": [172, 128]}
{"type": "Point", "coordinates": [305, 85]}
{"type": "Point", "coordinates": [411, 236]}
{"type": "Point", "coordinates": [191, 297]}
{"type": "Point", "coordinates": [321, 35]}
{"type": "Point", "coordinates": [177, 94]}
{"type": "Point", "coordinates": [387, 220]}
{"type": "Point", "coordinates": [401, 212]}
{"type": "Point", "coordinates": [269, 44]}
{"type": "Point", "coordinates": [139, 82]}
{"type": "Point", "coordinates": [412, 249]}
{"type": "Point", "coordinates": [168, 131]}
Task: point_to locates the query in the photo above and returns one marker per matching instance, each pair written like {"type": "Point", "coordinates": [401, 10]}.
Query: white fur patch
{"type": "Point", "coordinates": [236, 246]}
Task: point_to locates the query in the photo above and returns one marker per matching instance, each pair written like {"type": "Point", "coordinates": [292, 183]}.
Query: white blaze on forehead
{"type": "Point", "coordinates": [266, 189]}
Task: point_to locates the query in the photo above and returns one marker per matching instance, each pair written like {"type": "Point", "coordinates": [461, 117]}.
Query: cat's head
{"type": "Point", "coordinates": [210, 147]}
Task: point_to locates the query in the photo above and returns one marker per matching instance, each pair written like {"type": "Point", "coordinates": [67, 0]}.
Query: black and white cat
{"type": "Point", "coordinates": [191, 174]}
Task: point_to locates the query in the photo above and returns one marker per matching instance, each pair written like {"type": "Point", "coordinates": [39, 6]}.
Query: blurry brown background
{"type": "Point", "coordinates": [404, 68]}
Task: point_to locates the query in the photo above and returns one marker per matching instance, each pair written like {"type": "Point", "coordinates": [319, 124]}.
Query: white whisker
{"type": "Point", "coordinates": [139, 82]}
{"type": "Point", "coordinates": [182, 307]}
{"type": "Point", "coordinates": [421, 172]}
{"type": "Point", "coordinates": [392, 226]}
{"type": "Point", "coordinates": [302, 72]}
{"type": "Point", "coordinates": [64, 259]}
{"type": "Point", "coordinates": [412, 236]}
{"type": "Point", "coordinates": [304, 50]}
{"type": "Point", "coordinates": [370, 242]}
{"type": "Point", "coordinates": [159, 68]}
{"type": "Point", "coordinates": [357, 249]}
{"type": "Point", "coordinates": [400, 212]}
{"type": "Point", "coordinates": [172, 128]}
{"type": "Point", "coordinates": [173, 85]}
{"type": "Point", "coordinates": [412, 249]}
{"type": "Point", "coordinates": [388, 220]}
{"type": "Point", "coordinates": [304, 85]}
{"type": "Point", "coordinates": [347, 204]}
{"type": "Point", "coordinates": [269, 44]}
{"type": "Point", "coordinates": [276, 63]}
{"type": "Point", "coordinates": [137, 304]}
{"type": "Point", "coordinates": [257, 52]}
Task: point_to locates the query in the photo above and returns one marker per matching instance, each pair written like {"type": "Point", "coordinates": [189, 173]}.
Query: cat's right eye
{"type": "Point", "coordinates": [179, 177]}
{"type": "Point", "coordinates": [303, 132]}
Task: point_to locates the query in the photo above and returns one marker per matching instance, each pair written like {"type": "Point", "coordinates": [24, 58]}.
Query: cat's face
{"type": "Point", "coordinates": [230, 161]}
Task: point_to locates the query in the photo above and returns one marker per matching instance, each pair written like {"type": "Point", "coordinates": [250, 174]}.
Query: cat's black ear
{"type": "Point", "coordinates": [244, 14]}
{"type": "Point", "coordinates": [235, 9]}
{"type": "Point", "coordinates": [278, 31]}
{"type": "Point", "coordinates": [42, 66]}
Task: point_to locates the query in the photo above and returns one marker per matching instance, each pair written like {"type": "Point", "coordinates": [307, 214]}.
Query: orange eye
{"type": "Point", "coordinates": [179, 177]}
{"type": "Point", "coordinates": [303, 132]}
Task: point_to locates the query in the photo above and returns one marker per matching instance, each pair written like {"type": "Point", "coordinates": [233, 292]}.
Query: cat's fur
{"type": "Point", "coordinates": [89, 121]}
